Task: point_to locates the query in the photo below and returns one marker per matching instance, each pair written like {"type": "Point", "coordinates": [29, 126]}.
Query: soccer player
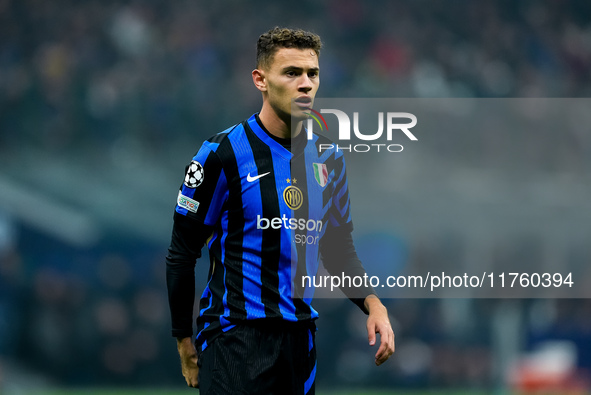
{"type": "Point", "coordinates": [268, 205]}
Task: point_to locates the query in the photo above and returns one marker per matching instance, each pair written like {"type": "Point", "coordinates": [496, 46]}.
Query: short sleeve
{"type": "Point", "coordinates": [204, 188]}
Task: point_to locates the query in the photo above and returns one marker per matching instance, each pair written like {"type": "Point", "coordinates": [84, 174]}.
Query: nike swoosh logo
{"type": "Point", "coordinates": [251, 179]}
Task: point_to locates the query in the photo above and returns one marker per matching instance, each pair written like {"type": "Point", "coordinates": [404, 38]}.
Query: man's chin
{"type": "Point", "coordinates": [300, 114]}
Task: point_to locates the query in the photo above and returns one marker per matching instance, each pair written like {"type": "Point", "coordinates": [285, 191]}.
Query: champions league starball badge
{"type": "Point", "coordinates": [194, 176]}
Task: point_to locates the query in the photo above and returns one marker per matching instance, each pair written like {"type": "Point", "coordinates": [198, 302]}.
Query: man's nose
{"type": "Point", "coordinates": [305, 84]}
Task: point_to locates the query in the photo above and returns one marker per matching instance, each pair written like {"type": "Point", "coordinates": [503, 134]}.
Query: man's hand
{"type": "Point", "coordinates": [188, 356]}
{"type": "Point", "coordinates": [378, 322]}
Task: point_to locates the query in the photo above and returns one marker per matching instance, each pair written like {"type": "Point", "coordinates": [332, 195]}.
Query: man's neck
{"type": "Point", "coordinates": [277, 126]}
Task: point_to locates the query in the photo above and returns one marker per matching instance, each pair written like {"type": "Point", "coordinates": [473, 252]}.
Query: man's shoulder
{"type": "Point", "coordinates": [223, 137]}
{"type": "Point", "coordinates": [326, 146]}
{"type": "Point", "coordinates": [321, 139]}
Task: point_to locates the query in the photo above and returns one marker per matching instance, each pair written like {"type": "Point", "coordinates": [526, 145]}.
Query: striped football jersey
{"type": "Point", "coordinates": [266, 208]}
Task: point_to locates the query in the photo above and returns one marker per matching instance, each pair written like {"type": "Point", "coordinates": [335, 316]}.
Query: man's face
{"type": "Point", "coordinates": [292, 75]}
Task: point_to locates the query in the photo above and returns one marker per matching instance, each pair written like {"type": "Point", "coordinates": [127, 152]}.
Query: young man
{"type": "Point", "coordinates": [250, 192]}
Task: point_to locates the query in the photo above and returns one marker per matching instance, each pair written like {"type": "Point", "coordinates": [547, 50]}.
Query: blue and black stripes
{"type": "Point", "coordinates": [258, 249]}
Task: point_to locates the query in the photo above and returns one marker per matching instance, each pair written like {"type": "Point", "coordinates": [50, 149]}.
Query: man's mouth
{"type": "Point", "coordinates": [304, 102]}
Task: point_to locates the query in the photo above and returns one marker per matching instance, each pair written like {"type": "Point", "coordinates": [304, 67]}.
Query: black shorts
{"type": "Point", "coordinates": [260, 359]}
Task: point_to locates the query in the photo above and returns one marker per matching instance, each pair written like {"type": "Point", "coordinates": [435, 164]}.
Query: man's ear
{"type": "Point", "coordinates": [258, 77]}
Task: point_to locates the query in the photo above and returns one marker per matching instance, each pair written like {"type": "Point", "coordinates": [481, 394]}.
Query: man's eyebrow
{"type": "Point", "coordinates": [297, 68]}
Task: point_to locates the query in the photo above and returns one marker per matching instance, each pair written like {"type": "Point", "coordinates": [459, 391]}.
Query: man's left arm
{"type": "Point", "coordinates": [340, 259]}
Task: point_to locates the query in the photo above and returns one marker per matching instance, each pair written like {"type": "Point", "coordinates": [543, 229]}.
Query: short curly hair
{"type": "Point", "coordinates": [278, 37]}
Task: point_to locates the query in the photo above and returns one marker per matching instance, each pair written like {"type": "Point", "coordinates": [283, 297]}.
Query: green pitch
{"type": "Point", "coordinates": [191, 391]}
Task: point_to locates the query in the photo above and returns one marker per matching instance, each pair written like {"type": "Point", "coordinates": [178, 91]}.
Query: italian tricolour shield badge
{"type": "Point", "coordinates": [320, 173]}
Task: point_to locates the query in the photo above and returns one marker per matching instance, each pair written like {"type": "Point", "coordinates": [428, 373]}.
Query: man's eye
{"type": "Point", "coordinates": [291, 73]}
{"type": "Point", "coordinates": [313, 74]}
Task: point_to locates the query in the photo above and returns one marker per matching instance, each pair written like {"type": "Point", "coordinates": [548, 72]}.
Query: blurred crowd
{"type": "Point", "coordinates": [96, 72]}
{"type": "Point", "coordinates": [86, 316]}
{"type": "Point", "coordinates": [97, 75]}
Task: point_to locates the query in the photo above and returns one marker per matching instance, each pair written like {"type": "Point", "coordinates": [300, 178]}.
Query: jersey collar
{"type": "Point", "coordinates": [261, 134]}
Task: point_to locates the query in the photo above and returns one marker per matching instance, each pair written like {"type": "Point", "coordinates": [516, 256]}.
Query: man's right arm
{"type": "Point", "coordinates": [199, 206]}
{"type": "Point", "coordinates": [187, 240]}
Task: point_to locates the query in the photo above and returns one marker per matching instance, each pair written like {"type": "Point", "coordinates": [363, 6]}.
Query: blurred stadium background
{"type": "Point", "coordinates": [102, 103]}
